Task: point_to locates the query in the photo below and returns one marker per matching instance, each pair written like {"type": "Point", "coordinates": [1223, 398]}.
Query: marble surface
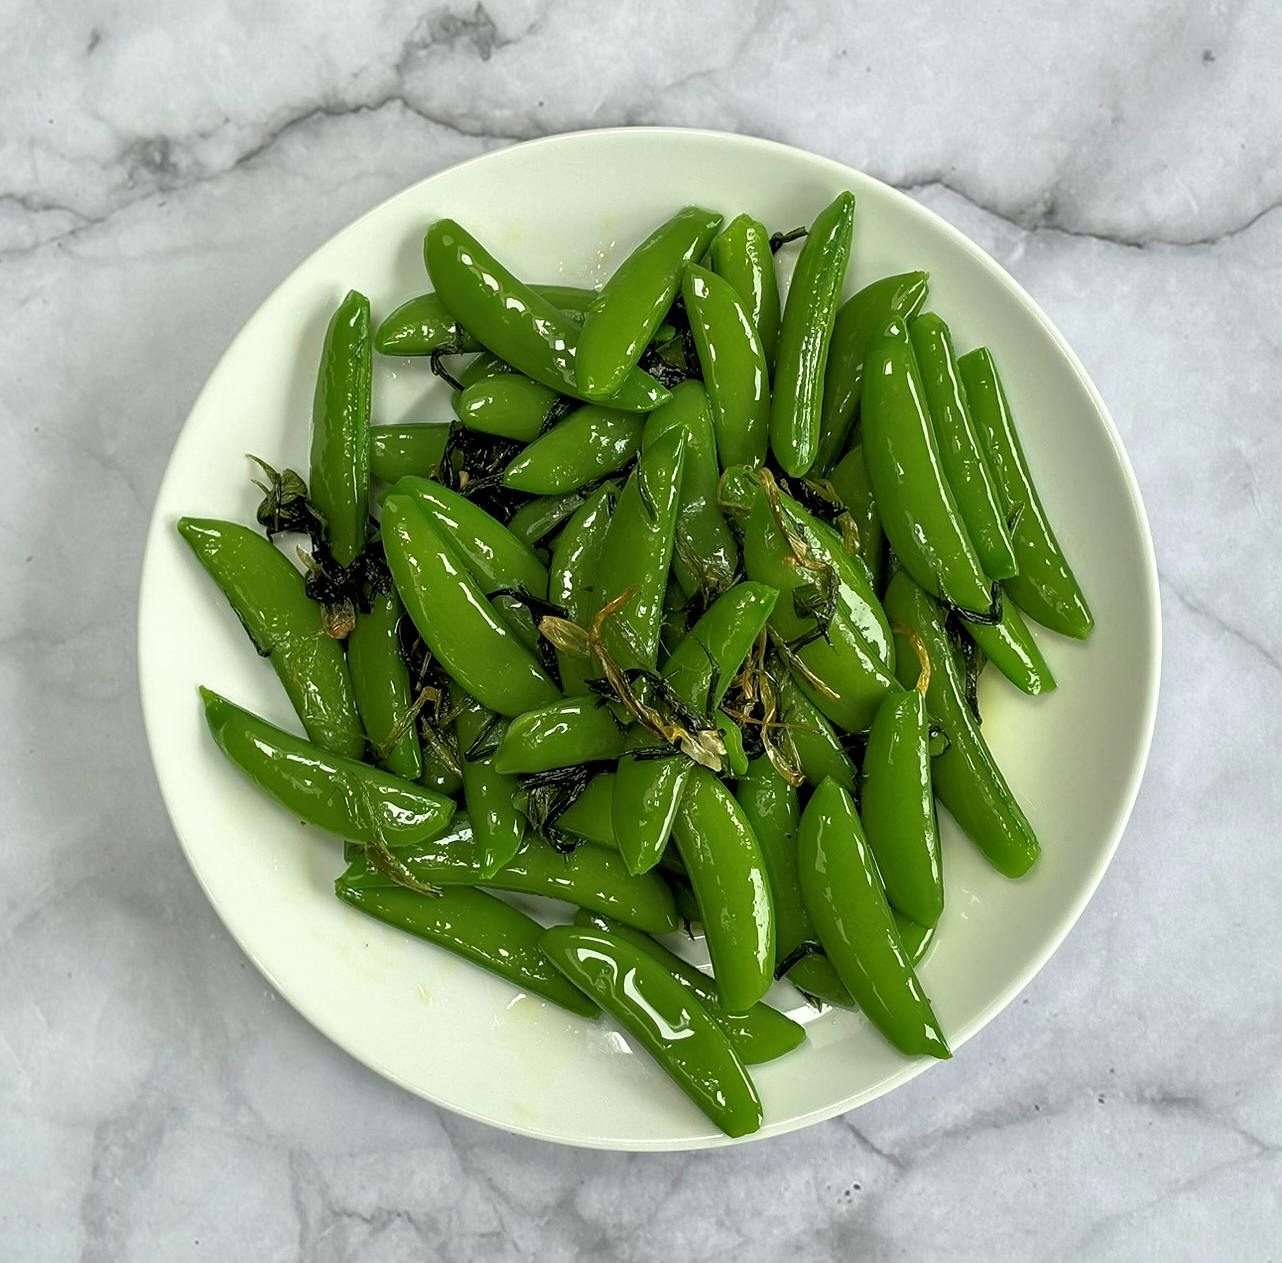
{"type": "Point", "coordinates": [159, 174]}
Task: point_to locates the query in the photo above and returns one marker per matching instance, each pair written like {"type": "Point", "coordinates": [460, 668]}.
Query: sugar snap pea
{"type": "Point", "coordinates": [668, 1021]}
{"type": "Point", "coordinates": [285, 627]}
{"type": "Point", "coordinates": [802, 355]}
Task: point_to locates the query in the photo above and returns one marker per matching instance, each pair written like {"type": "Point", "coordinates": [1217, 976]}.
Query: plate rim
{"type": "Point", "coordinates": [316, 1015]}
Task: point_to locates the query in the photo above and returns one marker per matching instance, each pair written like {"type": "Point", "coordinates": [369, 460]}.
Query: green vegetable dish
{"type": "Point", "coordinates": [678, 619]}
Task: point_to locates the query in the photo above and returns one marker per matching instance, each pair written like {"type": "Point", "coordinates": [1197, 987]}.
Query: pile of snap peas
{"type": "Point", "coordinates": [679, 618]}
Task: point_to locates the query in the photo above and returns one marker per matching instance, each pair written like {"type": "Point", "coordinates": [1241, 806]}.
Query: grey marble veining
{"type": "Point", "coordinates": [159, 174]}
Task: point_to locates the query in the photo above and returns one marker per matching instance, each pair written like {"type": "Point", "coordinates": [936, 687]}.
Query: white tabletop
{"type": "Point", "coordinates": [161, 170]}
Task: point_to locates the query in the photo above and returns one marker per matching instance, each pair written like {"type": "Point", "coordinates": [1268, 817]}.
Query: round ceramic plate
{"type": "Point", "coordinates": [568, 209]}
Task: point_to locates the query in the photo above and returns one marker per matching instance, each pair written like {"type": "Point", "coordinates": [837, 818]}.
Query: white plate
{"type": "Point", "coordinates": [567, 209]}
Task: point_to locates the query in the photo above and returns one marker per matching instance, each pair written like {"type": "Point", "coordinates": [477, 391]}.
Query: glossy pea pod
{"type": "Point", "coordinates": [797, 393]}
{"type": "Point", "coordinates": [477, 927]}
{"type": "Point", "coordinates": [704, 553]}
{"type": "Point", "coordinates": [818, 748]}
{"type": "Point", "coordinates": [733, 365]}
{"type": "Point", "coordinates": [759, 1035]}
{"type": "Point", "coordinates": [918, 510]}
{"type": "Point", "coordinates": [508, 318]}
{"type": "Point", "coordinates": [381, 684]}
{"type": "Point", "coordinates": [572, 577]}
{"type": "Point", "coordinates": [897, 806]}
{"type": "Point", "coordinates": [685, 1040]}
{"type": "Point", "coordinates": [495, 558]}
{"type": "Point", "coordinates": [966, 778]}
{"type": "Point", "coordinates": [638, 552]}
{"type": "Point", "coordinates": [493, 555]}
{"type": "Point", "coordinates": [497, 826]}
{"type": "Point", "coordinates": [507, 405]}
{"type": "Point", "coordinates": [648, 791]}
{"type": "Point", "coordinates": [843, 894]}
{"type": "Point", "coordinates": [741, 254]}
{"type": "Point", "coordinates": [858, 321]}
{"type": "Point", "coordinates": [1045, 586]}
{"type": "Point", "coordinates": [423, 326]}
{"type": "Point", "coordinates": [589, 877]}
{"type": "Point", "coordinates": [726, 869]}
{"type": "Point", "coordinates": [770, 805]}
{"type": "Point", "coordinates": [285, 626]}
{"type": "Point", "coordinates": [839, 669]}
{"type": "Point", "coordinates": [961, 456]}
{"type": "Point", "coordinates": [634, 301]}
{"type": "Point", "coordinates": [849, 479]}
{"type": "Point", "coordinates": [338, 481]}
{"type": "Point", "coordinates": [590, 816]}
{"type": "Point", "coordinates": [455, 620]}
{"type": "Point", "coordinates": [563, 734]}
{"type": "Point", "coordinates": [1010, 646]}
{"type": "Point", "coordinates": [588, 444]}
{"type": "Point", "coordinates": [396, 451]}
{"type": "Point", "coordinates": [538, 518]}
{"type": "Point", "coordinates": [349, 798]}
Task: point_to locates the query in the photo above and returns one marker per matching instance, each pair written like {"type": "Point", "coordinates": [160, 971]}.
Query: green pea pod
{"type": "Point", "coordinates": [285, 625]}
{"type": "Point", "coordinates": [497, 826]}
{"type": "Point", "coordinates": [684, 1039]}
{"type": "Point", "coordinates": [700, 669]}
{"type": "Point", "coordinates": [825, 574]}
{"type": "Point", "coordinates": [572, 577]}
{"type": "Point", "coordinates": [438, 774]}
{"type": "Point", "coordinates": [1010, 646]}
{"type": "Point", "coordinates": [759, 1035]}
{"type": "Point", "coordinates": [398, 450]}
{"type": "Point", "coordinates": [586, 445]}
{"type": "Point", "coordinates": [849, 479]}
{"type": "Point", "coordinates": [733, 364]}
{"type": "Point", "coordinates": [482, 367]}
{"type": "Point", "coordinates": [590, 815]}
{"type": "Point", "coordinates": [721, 854]}
{"type": "Point", "coordinates": [647, 791]}
{"type": "Point", "coordinates": [476, 926]}
{"type": "Point", "coordinates": [588, 877]}
{"type": "Point", "coordinates": [897, 807]}
{"type": "Point", "coordinates": [422, 326]}
{"type": "Point", "coordinates": [843, 894]}
{"type": "Point", "coordinates": [835, 664]}
{"type": "Point", "coordinates": [381, 683]}
{"type": "Point", "coordinates": [704, 553]}
{"type": "Point", "coordinates": [741, 253]}
{"type": "Point", "coordinates": [966, 779]}
{"type": "Point", "coordinates": [769, 804]}
{"type": "Point", "coordinates": [1045, 586]}
{"type": "Point", "coordinates": [493, 555]}
{"type": "Point", "coordinates": [508, 406]}
{"type": "Point", "coordinates": [635, 299]}
{"type": "Point", "coordinates": [646, 795]}
{"type": "Point", "coordinates": [461, 628]}
{"type": "Point", "coordinates": [964, 464]}
{"type": "Point", "coordinates": [804, 335]}
{"type": "Point", "coordinates": [339, 477]}
{"type": "Point", "coordinates": [638, 552]}
{"type": "Point", "coordinates": [349, 798]}
{"type": "Point", "coordinates": [818, 748]}
{"type": "Point", "coordinates": [514, 322]}
{"type": "Point", "coordinates": [859, 320]}
{"type": "Point", "coordinates": [918, 511]}
{"type": "Point", "coordinates": [537, 519]}
{"type": "Point", "coordinates": [562, 734]}
{"type": "Point", "coordinates": [915, 938]}
{"type": "Point", "coordinates": [736, 763]}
